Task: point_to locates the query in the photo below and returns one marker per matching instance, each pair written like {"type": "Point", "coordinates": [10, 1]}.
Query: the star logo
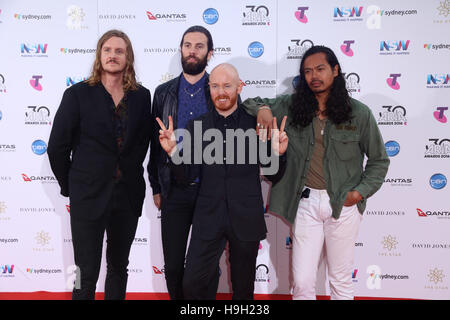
{"type": "Point", "coordinates": [3, 207]}
{"type": "Point", "coordinates": [389, 243]}
{"type": "Point", "coordinates": [42, 238]}
{"type": "Point", "coordinates": [435, 275]}
{"type": "Point", "coordinates": [166, 77]}
{"type": "Point", "coordinates": [444, 8]}
{"type": "Point", "coordinates": [75, 16]}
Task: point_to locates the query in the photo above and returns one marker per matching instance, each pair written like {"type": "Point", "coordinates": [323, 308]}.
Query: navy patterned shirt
{"type": "Point", "coordinates": [191, 104]}
{"type": "Point", "coordinates": [191, 101]}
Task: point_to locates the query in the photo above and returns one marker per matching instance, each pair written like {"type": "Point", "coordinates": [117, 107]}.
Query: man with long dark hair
{"type": "Point", "coordinates": [99, 140]}
{"type": "Point", "coordinates": [324, 190]}
{"type": "Point", "coordinates": [184, 98]}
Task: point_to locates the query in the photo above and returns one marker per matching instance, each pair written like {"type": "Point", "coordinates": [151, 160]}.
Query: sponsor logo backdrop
{"type": "Point", "coordinates": [395, 58]}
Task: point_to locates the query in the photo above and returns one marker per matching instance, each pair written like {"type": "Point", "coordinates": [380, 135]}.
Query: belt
{"type": "Point", "coordinates": [305, 193]}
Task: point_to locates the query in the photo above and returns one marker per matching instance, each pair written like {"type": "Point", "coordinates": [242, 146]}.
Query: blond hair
{"type": "Point", "coordinates": [129, 75]}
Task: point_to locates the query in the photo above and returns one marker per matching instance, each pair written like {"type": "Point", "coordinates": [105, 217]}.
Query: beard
{"type": "Point", "coordinates": [194, 68]}
{"type": "Point", "coordinates": [225, 106]}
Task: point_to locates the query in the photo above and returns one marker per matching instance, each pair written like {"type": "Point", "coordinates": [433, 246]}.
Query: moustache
{"type": "Point", "coordinates": [223, 96]}
{"type": "Point", "coordinates": [193, 57]}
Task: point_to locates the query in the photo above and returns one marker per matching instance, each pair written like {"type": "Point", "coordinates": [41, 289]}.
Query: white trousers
{"type": "Point", "coordinates": [315, 230]}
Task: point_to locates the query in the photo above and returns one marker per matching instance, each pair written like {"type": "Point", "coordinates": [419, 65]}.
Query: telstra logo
{"type": "Point", "coordinates": [345, 48]}
{"type": "Point", "coordinates": [300, 14]}
{"type": "Point", "coordinates": [439, 114]}
{"type": "Point", "coordinates": [34, 82]}
{"type": "Point", "coordinates": [392, 81]}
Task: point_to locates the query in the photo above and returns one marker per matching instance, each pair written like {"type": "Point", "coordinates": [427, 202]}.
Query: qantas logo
{"type": "Point", "coordinates": [439, 214]}
{"type": "Point", "coordinates": [157, 271]}
{"type": "Point", "coordinates": [421, 213]}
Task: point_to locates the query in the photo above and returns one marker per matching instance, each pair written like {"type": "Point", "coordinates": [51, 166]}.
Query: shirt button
{"type": "Point", "coordinates": [190, 113]}
{"type": "Point", "coordinates": [225, 125]}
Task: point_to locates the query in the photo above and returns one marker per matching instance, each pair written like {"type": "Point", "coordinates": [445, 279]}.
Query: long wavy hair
{"type": "Point", "coordinates": [304, 105]}
{"type": "Point", "coordinates": [129, 75]}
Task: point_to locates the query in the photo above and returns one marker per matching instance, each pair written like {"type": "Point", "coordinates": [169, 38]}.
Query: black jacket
{"type": "Point", "coordinates": [83, 150]}
{"type": "Point", "coordinates": [231, 191]}
{"type": "Point", "coordinates": [165, 104]}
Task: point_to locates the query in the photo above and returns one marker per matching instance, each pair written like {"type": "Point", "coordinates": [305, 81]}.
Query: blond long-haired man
{"type": "Point", "coordinates": [97, 145]}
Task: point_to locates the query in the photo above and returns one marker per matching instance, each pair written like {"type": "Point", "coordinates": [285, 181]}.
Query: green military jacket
{"type": "Point", "coordinates": [346, 146]}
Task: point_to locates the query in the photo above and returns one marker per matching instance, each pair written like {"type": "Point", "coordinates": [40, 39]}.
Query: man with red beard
{"type": "Point", "coordinates": [184, 98]}
{"type": "Point", "coordinates": [229, 205]}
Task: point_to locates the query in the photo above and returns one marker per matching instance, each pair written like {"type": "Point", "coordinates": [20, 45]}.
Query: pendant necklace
{"type": "Point", "coordinates": [322, 127]}
{"type": "Point", "coordinates": [192, 94]}
{"type": "Point", "coordinates": [322, 122]}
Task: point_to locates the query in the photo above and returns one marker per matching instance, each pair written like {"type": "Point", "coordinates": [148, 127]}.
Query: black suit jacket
{"type": "Point", "coordinates": [83, 150]}
{"type": "Point", "coordinates": [231, 191]}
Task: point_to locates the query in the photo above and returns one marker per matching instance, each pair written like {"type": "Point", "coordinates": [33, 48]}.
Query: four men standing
{"type": "Point", "coordinates": [101, 134]}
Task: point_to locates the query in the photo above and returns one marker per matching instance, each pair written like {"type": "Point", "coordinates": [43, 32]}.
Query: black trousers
{"type": "Point", "coordinates": [177, 210]}
{"type": "Point", "coordinates": [203, 259]}
{"type": "Point", "coordinates": [120, 223]}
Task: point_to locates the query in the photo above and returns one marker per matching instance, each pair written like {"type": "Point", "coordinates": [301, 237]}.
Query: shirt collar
{"type": "Point", "coordinates": [234, 115]}
{"type": "Point", "coordinates": [107, 94]}
{"type": "Point", "coordinates": [199, 84]}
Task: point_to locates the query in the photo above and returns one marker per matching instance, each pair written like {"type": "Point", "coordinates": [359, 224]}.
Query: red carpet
{"type": "Point", "coordinates": [44, 295]}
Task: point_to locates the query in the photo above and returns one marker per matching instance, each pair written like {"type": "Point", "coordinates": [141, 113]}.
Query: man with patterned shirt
{"type": "Point", "coordinates": [184, 98]}
{"type": "Point", "coordinates": [99, 140]}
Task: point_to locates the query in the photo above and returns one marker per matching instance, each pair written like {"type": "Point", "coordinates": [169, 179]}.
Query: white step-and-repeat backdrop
{"type": "Point", "coordinates": [395, 55]}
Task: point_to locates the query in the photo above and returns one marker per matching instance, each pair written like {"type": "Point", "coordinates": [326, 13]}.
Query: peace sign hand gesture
{"type": "Point", "coordinates": [167, 137]}
{"type": "Point", "coordinates": [279, 137]}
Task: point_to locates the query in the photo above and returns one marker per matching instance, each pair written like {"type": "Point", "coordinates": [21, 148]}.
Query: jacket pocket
{"type": "Point", "coordinates": [346, 145]}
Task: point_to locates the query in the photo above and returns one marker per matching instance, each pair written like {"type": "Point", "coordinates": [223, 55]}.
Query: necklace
{"type": "Point", "coordinates": [192, 94]}
{"type": "Point", "coordinates": [322, 124]}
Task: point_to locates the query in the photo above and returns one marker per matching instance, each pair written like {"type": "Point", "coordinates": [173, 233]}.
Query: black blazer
{"type": "Point", "coordinates": [83, 151]}
{"type": "Point", "coordinates": [232, 190]}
